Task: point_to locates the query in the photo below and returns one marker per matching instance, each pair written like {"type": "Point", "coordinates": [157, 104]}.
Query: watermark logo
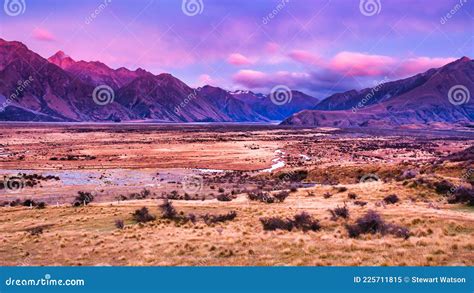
{"type": "Point", "coordinates": [14, 7]}
{"type": "Point", "coordinates": [459, 95]}
{"type": "Point", "coordinates": [103, 95]}
{"type": "Point", "coordinates": [192, 184]}
{"type": "Point", "coordinates": [94, 14]}
{"type": "Point", "coordinates": [370, 182]}
{"type": "Point", "coordinates": [281, 95]}
{"type": "Point", "coordinates": [453, 11]}
{"type": "Point", "coordinates": [266, 20]}
{"type": "Point", "coordinates": [192, 7]}
{"type": "Point", "coordinates": [22, 85]}
{"type": "Point", "coordinates": [13, 184]}
{"type": "Point", "coordinates": [370, 7]}
{"type": "Point", "coordinates": [370, 95]}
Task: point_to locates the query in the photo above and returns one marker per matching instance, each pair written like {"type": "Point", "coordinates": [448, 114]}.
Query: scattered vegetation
{"type": "Point", "coordinates": [143, 215]}
{"type": "Point", "coordinates": [302, 221]}
{"type": "Point", "coordinates": [391, 199]}
{"type": "Point", "coordinates": [342, 212]}
{"type": "Point", "coordinates": [83, 198]}
{"type": "Point", "coordinates": [372, 223]}
{"type": "Point", "coordinates": [211, 219]}
{"type": "Point", "coordinates": [352, 195]}
{"type": "Point", "coordinates": [267, 197]}
{"type": "Point", "coordinates": [224, 197]}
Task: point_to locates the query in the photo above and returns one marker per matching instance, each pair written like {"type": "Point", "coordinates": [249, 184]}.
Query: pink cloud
{"type": "Point", "coordinates": [272, 47]}
{"type": "Point", "coordinates": [360, 64]}
{"type": "Point", "coordinates": [43, 35]}
{"type": "Point", "coordinates": [239, 59]}
{"type": "Point", "coordinates": [421, 64]}
{"type": "Point", "coordinates": [305, 57]}
{"type": "Point", "coordinates": [251, 78]}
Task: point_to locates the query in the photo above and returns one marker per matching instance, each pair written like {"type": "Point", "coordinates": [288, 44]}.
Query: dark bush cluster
{"type": "Point", "coordinates": [372, 223]}
{"type": "Point", "coordinates": [140, 195]}
{"type": "Point", "coordinates": [342, 212]}
{"type": "Point", "coordinates": [360, 203]}
{"type": "Point", "coordinates": [462, 195]}
{"type": "Point", "coordinates": [83, 198]}
{"type": "Point", "coordinates": [295, 176]}
{"type": "Point", "coordinates": [267, 197]}
{"type": "Point", "coordinates": [167, 210]}
{"type": "Point", "coordinates": [26, 203]}
{"type": "Point", "coordinates": [275, 223]}
{"type": "Point", "coordinates": [443, 187]}
{"type": "Point", "coordinates": [341, 189]}
{"type": "Point", "coordinates": [211, 219]}
{"type": "Point", "coordinates": [224, 197]}
{"type": "Point", "coordinates": [391, 199]}
{"type": "Point", "coordinates": [143, 215]}
{"type": "Point", "coordinates": [170, 213]}
{"type": "Point", "coordinates": [302, 221]}
{"type": "Point", "coordinates": [352, 195]}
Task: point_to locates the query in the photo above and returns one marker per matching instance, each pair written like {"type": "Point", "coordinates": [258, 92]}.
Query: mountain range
{"type": "Point", "coordinates": [61, 89]}
{"type": "Point", "coordinates": [435, 97]}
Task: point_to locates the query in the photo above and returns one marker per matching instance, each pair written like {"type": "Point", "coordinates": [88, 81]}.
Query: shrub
{"type": "Point", "coordinates": [327, 195]}
{"type": "Point", "coordinates": [302, 221]}
{"type": "Point", "coordinates": [224, 197]}
{"type": "Point", "coordinates": [35, 231]}
{"type": "Point", "coordinates": [342, 189]}
{"type": "Point", "coordinates": [119, 224]}
{"type": "Point", "coordinates": [261, 196]}
{"type": "Point", "coordinates": [221, 190]}
{"type": "Point", "coordinates": [352, 195]}
{"type": "Point", "coordinates": [293, 189]}
{"type": "Point", "coordinates": [41, 205]}
{"type": "Point", "coordinates": [462, 195]}
{"type": "Point", "coordinates": [29, 203]}
{"type": "Point", "coordinates": [142, 216]}
{"type": "Point", "coordinates": [373, 223]}
{"type": "Point", "coordinates": [391, 199]}
{"type": "Point", "coordinates": [360, 203]}
{"type": "Point", "coordinates": [167, 209]}
{"type": "Point", "coordinates": [275, 223]}
{"type": "Point", "coordinates": [339, 212]}
{"type": "Point", "coordinates": [83, 198]}
{"type": "Point", "coordinates": [305, 222]}
{"type": "Point", "coordinates": [443, 187]}
{"type": "Point", "coordinates": [210, 219]}
{"type": "Point", "coordinates": [281, 196]}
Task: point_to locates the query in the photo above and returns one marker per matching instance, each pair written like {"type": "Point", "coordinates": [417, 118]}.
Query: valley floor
{"type": "Point", "coordinates": [126, 167]}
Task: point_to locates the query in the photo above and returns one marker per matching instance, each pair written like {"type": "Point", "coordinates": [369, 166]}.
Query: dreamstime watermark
{"type": "Point", "coordinates": [453, 11]}
{"type": "Point", "coordinates": [459, 95]}
{"type": "Point", "coordinates": [370, 7]}
{"type": "Point", "coordinates": [45, 281]}
{"type": "Point", "coordinates": [103, 95]}
{"type": "Point", "coordinates": [465, 177]}
{"type": "Point", "coordinates": [14, 7]}
{"type": "Point", "coordinates": [94, 14]}
{"type": "Point", "coordinates": [370, 95]}
{"type": "Point", "coordinates": [192, 7]}
{"type": "Point", "coordinates": [370, 182]}
{"type": "Point", "coordinates": [20, 88]}
{"type": "Point", "coordinates": [281, 95]}
{"type": "Point", "coordinates": [266, 20]}
{"type": "Point", "coordinates": [192, 184]}
{"type": "Point", "coordinates": [192, 96]}
{"type": "Point", "coordinates": [13, 184]}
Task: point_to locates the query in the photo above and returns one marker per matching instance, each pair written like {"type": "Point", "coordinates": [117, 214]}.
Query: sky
{"type": "Point", "coordinates": [316, 46]}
